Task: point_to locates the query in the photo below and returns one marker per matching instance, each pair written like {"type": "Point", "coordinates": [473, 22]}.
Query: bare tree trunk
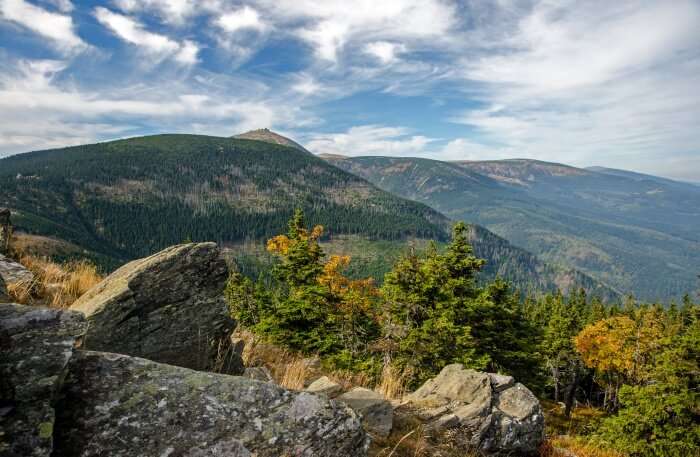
{"type": "Point", "coordinates": [571, 393]}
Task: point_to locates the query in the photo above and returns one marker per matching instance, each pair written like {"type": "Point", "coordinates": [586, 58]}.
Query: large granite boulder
{"type": "Point", "coordinates": [376, 411]}
{"type": "Point", "coordinates": [13, 272]}
{"type": "Point", "coordinates": [4, 295]}
{"type": "Point", "coordinates": [37, 344]}
{"type": "Point", "coordinates": [492, 413]}
{"type": "Point", "coordinates": [118, 405]}
{"type": "Point", "coordinates": [168, 307]}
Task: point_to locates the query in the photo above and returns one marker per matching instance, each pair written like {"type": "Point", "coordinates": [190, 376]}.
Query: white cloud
{"type": "Point", "coordinates": [134, 33]}
{"type": "Point", "coordinates": [38, 111]}
{"type": "Point", "coordinates": [591, 82]}
{"type": "Point", "coordinates": [187, 54]}
{"type": "Point", "coordinates": [173, 11]}
{"type": "Point", "coordinates": [331, 25]}
{"type": "Point", "coordinates": [466, 149]}
{"type": "Point", "coordinates": [245, 18]}
{"type": "Point", "coordinates": [385, 51]}
{"type": "Point", "coordinates": [306, 85]}
{"type": "Point", "coordinates": [574, 44]}
{"type": "Point", "coordinates": [367, 140]}
{"type": "Point", "coordinates": [59, 28]}
{"type": "Point", "coordinates": [65, 6]}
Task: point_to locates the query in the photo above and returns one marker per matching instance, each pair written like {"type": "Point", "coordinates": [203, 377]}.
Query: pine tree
{"type": "Point", "coordinates": [661, 418]}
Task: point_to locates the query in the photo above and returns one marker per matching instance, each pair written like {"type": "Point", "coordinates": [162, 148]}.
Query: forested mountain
{"type": "Point", "coordinates": [128, 198]}
{"type": "Point", "coordinates": [634, 232]}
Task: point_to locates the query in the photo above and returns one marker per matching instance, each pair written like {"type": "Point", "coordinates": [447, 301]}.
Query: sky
{"type": "Point", "coordinates": [613, 84]}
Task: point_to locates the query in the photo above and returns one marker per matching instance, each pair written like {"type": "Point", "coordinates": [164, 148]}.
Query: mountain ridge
{"type": "Point", "coordinates": [129, 198]}
{"type": "Point", "coordinates": [630, 233]}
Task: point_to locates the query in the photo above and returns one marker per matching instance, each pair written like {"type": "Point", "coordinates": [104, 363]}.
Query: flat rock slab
{"type": "Point", "coordinates": [13, 272]}
{"type": "Point", "coordinates": [37, 344]}
{"type": "Point", "coordinates": [168, 307]}
{"type": "Point", "coordinates": [376, 411]}
{"type": "Point", "coordinates": [124, 406]}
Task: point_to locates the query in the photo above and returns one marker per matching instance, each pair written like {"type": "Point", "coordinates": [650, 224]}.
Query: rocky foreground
{"type": "Point", "coordinates": [127, 372]}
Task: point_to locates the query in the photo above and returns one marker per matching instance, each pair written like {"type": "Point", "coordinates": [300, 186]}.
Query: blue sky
{"type": "Point", "coordinates": [585, 83]}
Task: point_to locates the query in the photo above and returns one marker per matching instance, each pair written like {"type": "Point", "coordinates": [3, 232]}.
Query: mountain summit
{"type": "Point", "coordinates": [269, 136]}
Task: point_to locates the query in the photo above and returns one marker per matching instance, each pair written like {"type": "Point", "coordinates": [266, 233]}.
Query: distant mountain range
{"type": "Point", "coordinates": [124, 199]}
{"type": "Point", "coordinates": [635, 232]}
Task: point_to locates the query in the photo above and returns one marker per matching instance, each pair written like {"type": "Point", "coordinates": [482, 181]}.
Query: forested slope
{"type": "Point", "coordinates": [635, 232]}
{"type": "Point", "coordinates": [125, 199]}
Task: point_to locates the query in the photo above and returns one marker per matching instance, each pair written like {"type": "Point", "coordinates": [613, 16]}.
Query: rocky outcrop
{"type": "Point", "coordinates": [4, 295]}
{"type": "Point", "coordinates": [325, 386]}
{"type": "Point", "coordinates": [118, 405]}
{"type": "Point", "coordinates": [13, 272]}
{"type": "Point", "coordinates": [492, 413]}
{"type": "Point", "coordinates": [37, 344]}
{"type": "Point", "coordinates": [168, 307]}
{"type": "Point", "coordinates": [376, 412]}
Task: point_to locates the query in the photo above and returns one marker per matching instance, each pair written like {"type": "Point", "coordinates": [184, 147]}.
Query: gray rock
{"type": "Point", "coordinates": [325, 386]}
{"type": "Point", "coordinates": [168, 307]}
{"type": "Point", "coordinates": [4, 295]}
{"type": "Point", "coordinates": [123, 406]}
{"type": "Point", "coordinates": [493, 414]}
{"type": "Point", "coordinates": [500, 382]}
{"type": "Point", "coordinates": [13, 272]}
{"type": "Point", "coordinates": [259, 374]}
{"type": "Point", "coordinates": [377, 413]}
{"type": "Point", "coordinates": [453, 384]}
{"type": "Point", "coordinates": [37, 344]}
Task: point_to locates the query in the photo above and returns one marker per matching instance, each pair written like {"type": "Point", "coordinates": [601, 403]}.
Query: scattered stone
{"type": "Point", "coordinates": [325, 386]}
{"type": "Point", "coordinates": [37, 344]}
{"type": "Point", "coordinates": [168, 307]}
{"type": "Point", "coordinates": [123, 406]}
{"type": "Point", "coordinates": [491, 412]}
{"type": "Point", "coordinates": [377, 413]}
{"type": "Point", "coordinates": [259, 374]}
{"type": "Point", "coordinates": [14, 272]}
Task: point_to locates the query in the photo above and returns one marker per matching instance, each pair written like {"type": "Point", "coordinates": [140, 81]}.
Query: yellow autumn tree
{"type": "Point", "coordinates": [354, 302]}
{"type": "Point", "coordinates": [620, 349]}
{"type": "Point", "coordinates": [320, 310]}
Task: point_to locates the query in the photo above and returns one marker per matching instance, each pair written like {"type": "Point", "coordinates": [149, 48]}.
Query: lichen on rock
{"type": "Point", "coordinates": [37, 344]}
{"type": "Point", "coordinates": [168, 307]}
{"type": "Point", "coordinates": [123, 406]}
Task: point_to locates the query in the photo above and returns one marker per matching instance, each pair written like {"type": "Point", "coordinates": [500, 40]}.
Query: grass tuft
{"type": "Point", "coordinates": [54, 285]}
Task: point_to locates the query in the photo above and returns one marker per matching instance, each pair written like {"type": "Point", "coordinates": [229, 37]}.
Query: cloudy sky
{"type": "Point", "coordinates": [585, 83]}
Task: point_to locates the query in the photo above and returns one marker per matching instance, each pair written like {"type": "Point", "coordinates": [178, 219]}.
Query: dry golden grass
{"type": "Point", "coordinates": [54, 285]}
{"type": "Point", "coordinates": [565, 446]}
{"type": "Point", "coordinates": [294, 375]}
{"type": "Point", "coordinates": [392, 384]}
{"type": "Point", "coordinates": [290, 369]}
